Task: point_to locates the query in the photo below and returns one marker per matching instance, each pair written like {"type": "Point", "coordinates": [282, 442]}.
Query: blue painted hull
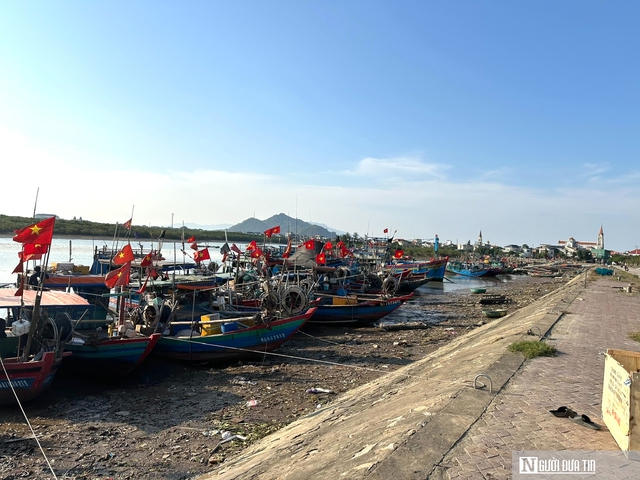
{"type": "Point", "coordinates": [110, 356]}
{"type": "Point", "coordinates": [231, 345]}
{"type": "Point", "coordinates": [361, 314]}
{"type": "Point", "coordinates": [474, 271]}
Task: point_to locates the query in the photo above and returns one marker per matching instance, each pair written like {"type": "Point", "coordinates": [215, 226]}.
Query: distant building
{"type": "Point", "coordinates": [596, 248]}
{"type": "Point", "coordinates": [41, 216]}
{"type": "Point", "coordinates": [465, 247]}
{"type": "Point", "coordinates": [511, 249]}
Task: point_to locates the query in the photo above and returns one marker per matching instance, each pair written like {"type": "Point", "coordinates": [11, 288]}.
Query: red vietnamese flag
{"type": "Point", "coordinates": [327, 246]}
{"type": "Point", "coordinates": [310, 244]}
{"type": "Point", "coordinates": [41, 232]}
{"type": "Point", "coordinates": [154, 273]}
{"type": "Point", "coordinates": [143, 288]}
{"type": "Point", "coordinates": [321, 259]}
{"type": "Point", "coordinates": [146, 261]}
{"type": "Point", "coordinates": [398, 254]}
{"type": "Point", "coordinates": [127, 224]}
{"type": "Point", "coordinates": [20, 290]}
{"type": "Point", "coordinates": [194, 246]}
{"type": "Point", "coordinates": [202, 255]}
{"type": "Point", "coordinates": [256, 253]}
{"type": "Point", "coordinates": [125, 255]}
{"type": "Point", "coordinates": [271, 231]}
{"type": "Point", "coordinates": [252, 246]}
{"type": "Point", "coordinates": [119, 276]}
{"type": "Point", "coordinates": [191, 239]}
{"type": "Point", "coordinates": [287, 251]}
{"type": "Point", "coordinates": [235, 248]}
{"type": "Point", "coordinates": [386, 230]}
{"type": "Point", "coordinates": [33, 251]}
{"type": "Point", "coordinates": [19, 268]}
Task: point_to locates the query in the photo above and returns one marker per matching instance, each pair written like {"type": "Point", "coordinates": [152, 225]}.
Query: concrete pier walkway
{"type": "Point", "coordinates": [427, 420]}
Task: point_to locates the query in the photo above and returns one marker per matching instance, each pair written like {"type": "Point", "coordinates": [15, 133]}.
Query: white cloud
{"type": "Point", "coordinates": [419, 202]}
{"type": "Point", "coordinates": [399, 167]}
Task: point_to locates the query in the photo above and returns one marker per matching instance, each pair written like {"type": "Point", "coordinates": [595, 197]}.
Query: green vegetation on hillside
{"type": "Point", "coordinates": [77, 228]}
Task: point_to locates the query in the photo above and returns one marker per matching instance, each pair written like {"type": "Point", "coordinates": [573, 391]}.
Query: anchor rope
{"type": "Point", "coordinates": [296, 357]}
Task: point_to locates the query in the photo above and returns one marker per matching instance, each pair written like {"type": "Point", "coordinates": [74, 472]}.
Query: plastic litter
{"type": "Point", "coordinates": [228, 436]}
{"type": "Point", "coordinates": [252, 403]}
{"type": "Point", "coordinates": [319, 390]}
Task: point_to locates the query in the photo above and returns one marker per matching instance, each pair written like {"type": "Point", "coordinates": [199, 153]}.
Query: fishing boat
{"type": "Point", "coordinates": [95, 343]}
{"type": "Point", "coordinates": [101, 355]}
{"type": "Point", "coordinates": [497, 313]}
{"type": "Point", "coordinates": [468, 269]}
{"type": "Point", "coordinates": [210, 339]}
{"type": "Point", "coordinates": [355, 310]}
{"type": "Point", "coordinates": [30, 357]}
{"type": "Point", "coordinates": [493, 299]}
{"type": "Point", "coordinates": [433, 270]}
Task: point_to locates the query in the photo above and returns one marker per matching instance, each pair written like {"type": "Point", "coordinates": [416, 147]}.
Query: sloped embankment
{"type": "Point", "coordinates": [402, 424]}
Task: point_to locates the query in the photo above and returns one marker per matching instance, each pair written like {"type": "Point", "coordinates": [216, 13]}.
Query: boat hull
{"type": "Point", "coordinates": [433, 270]}
{"type": "Point", "coordinates": [231, 345]}
{"type": "Point", "coordinates": [111, 356]}
{"type": "Point", "coordinates": [360, 314]}
{"type": "Point", "coordinates": [29, 379]}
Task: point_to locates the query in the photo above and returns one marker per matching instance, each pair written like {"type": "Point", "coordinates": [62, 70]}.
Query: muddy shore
{"type": "Point", "coordinates": [170, 421]}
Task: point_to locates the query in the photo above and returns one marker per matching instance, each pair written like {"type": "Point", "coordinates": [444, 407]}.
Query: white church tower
{"type": "Point", "coordinates": [600, 244]}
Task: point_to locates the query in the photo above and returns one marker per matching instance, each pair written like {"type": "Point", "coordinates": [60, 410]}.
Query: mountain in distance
{"type": "Point", "coordinates": [339, 232]}
{"type": "Point", "coordinates": [220, 226]}
{"type": "Point", "coordinates": [286, 223]}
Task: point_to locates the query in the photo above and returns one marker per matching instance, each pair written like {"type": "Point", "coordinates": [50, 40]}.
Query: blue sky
{"type": "Point", "coordinates": [517, 119]}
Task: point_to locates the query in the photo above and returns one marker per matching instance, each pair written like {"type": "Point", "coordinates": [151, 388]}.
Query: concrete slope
{"type": "Point", "coordinates": [401, 425]}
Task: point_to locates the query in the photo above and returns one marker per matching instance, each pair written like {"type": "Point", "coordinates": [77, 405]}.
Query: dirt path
{"type": "Point", "coordinates": [168, 420]}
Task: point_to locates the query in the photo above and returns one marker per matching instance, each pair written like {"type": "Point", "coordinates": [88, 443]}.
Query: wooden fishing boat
{"type": "Point", "coordinates": [28, 379]}
{"type": "Point", "coordinates": [497, 313]}
{"type": "Point", "coordinates": [206, 340]}
{"type": "Point", "coordinates": [412, 282]}
{"type": "Point", "coordinates": [493, 299]}
{"type": "Point", "coordinates": [27, 374]}
{"type": "Point", "coordinates": [93, 347]}
{"type": "Point", "coordinates": [433, 270]}
{"type": "Point", "coordinates": [468, 269]}
{"type": "Point", "coordinates": [105, 356]}
{"type": "Point", "coordinates": [355, 310]}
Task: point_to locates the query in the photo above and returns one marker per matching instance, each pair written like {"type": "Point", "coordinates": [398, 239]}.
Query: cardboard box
{"type": "Point", "coordinates": [621, 397]}
{"type": "Point", "coordinates": [81, 269]}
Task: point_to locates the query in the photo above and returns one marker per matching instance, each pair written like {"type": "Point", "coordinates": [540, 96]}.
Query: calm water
{"type": "Point", "coordinates": [80, 252]}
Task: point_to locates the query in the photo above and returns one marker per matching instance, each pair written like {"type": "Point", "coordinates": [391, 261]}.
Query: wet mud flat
{"type": "Point", "coordinates": [176, 421]}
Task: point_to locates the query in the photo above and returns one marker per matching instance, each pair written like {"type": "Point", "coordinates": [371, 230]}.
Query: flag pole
{"type": "Point", "coordinates": [131, 221]}
{"type": "Point", "coordinates": [35, 204]}
{"type": "Point", "coordinates": [35, 316]}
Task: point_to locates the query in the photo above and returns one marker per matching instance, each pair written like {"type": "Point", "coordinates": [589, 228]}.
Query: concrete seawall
{"type": "Point", "coordinates": [403, 425]}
